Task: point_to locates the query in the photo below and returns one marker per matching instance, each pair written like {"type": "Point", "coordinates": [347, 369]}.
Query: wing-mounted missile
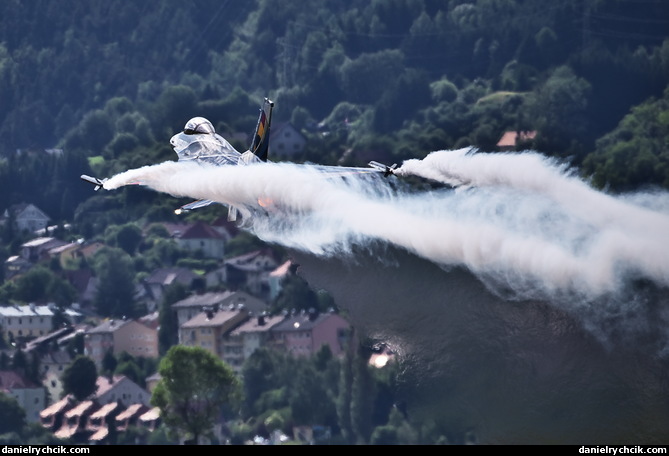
{"type": "Point", "coordinates": [385, 169]}
{"type": "Point", "coordinates": [93, 180]}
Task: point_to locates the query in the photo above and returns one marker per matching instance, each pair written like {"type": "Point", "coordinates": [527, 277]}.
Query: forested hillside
{"type": "Point", "coordinates": [114, 80]}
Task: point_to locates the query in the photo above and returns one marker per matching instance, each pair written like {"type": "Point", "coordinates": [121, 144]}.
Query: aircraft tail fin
{"type": "Point", "coordinates": [260, 144]}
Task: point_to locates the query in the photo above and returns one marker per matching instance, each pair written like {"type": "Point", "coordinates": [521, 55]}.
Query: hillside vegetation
{"type": "Point", "coordinates": [113, 80]}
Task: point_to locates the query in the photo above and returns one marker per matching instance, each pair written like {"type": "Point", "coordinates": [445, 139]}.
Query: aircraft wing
{"type": "Point", "coordinates": [194, 205]}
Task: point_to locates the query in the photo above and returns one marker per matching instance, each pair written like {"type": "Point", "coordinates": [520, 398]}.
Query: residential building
{"type": "Point", "coordinates": [251, 271]}
{"type": "Point", "coordinates": [53, 416]}
{"type": "Point", "coordinates": [30, 396]}
{"type": "Point", "coordinates": [208, 329]}
{"type": "Point", "coordinates": [81, 279]}
{"type": "Point", "coordinates": [30, 321]}
{"type": "Point", "coordinates": [196, 303]}
{"type": "Point", "coordinates": [246, 338]}
{"type": "Point", "coordinates": [176, 229]}
{"type": "Point", "coordinates": [52, 366]}
{"type": "Point", "coordinates": [88, 249]}
{"type": "Point", "coordinates": [286, 141]}
{"type": "Point", "coordinates": [120, 336]}
{"type": "Point", "coordinates": [38, 249]}
{"type": "Point", "coordinates": [75, 419]}
{"type": "Point", "coordinates": [16, 265]}
{"type": "Point", "coordinates": [130, 416]}
{"type": "Point", "coordinates": [45, 342]}
{"type": "Point", "coordinates": [227, 228]}
{"type": "Point", "coordinates": [276, 278]}
{"type": "Point", "coordinates": [27, 217]}
{"type": "Point", "coordinates": [151, 419]}
{"type": "Point", "coordinates": [102, 422]}
{"type": "Point", "coordinates": [26, 321]}
{"type": "Point", "coordinates": [120, 388]}
{"type": "Point", "coordinates": [304, 333]}
{"type": "Point", "coordinates": [241, 299]}
{"type": "Point", "coordinates": [216, 277]}
{"type": "Point", "coordinates": [152, 320]}
{"type": "Point", "coordinates": [65, 253]}
{"type": "Point", "coordinates": [515, 140]}
{"type": "Point", "coordinates": [151, 381]}
{"type": "Point", "coordinates": [160, 279]}
{"type": "Point", "coordinates": [202, 237]}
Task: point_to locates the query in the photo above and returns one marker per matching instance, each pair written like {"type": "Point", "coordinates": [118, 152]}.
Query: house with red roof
{"type": "Point", "coordinates": [515, 140]}
{"type": "Point", "coordinates": [120, 388]}
{"type": "Point", "coordinates": [52, 417]}
{"type": "Point", "coordinates": [30, 396]}
{"type": "Point", "coordinates": [250, 271]}
{"type": "Point", "coordinates": [102, 423]}
{"type": "Point", "coordinates": [130, 416]}
{"type": "Point", "coordinates": [202, 237]}
{"type": "Point", "coordinates": [75, 419]}
{"type": "Point", "coordinates": [226, 227]}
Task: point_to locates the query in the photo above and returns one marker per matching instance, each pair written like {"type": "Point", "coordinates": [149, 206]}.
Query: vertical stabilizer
{"type": "Point", "coordinates": [260, 145]}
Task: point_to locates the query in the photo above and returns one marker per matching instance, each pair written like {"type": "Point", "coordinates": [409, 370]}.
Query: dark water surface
{"type": "Point", "coordinates": [495, 371]}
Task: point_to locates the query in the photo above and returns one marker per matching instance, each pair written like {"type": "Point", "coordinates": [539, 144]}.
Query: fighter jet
{"type": "Point", "coordinates": [199, 142]}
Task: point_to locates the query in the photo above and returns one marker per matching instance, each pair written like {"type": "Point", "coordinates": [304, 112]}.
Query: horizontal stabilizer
{"type": "Point", "coordinates": [93, 180]}
{"type": "Point", "coordinates": [385, 169]}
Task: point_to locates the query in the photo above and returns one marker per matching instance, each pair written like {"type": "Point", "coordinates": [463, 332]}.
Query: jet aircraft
{"type": "Point", "coordinates": [199, 142]}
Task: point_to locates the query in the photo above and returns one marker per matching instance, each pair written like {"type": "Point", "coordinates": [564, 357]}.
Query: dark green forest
{"type": "Point", "coordinates": [114, 80]}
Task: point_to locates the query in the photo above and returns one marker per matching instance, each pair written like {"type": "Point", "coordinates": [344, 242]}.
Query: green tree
{"type": "Point", "coordinates": [80, 377]}
{"type": "Point", "coordinates": [128, 237]}
{"type": "Point", "coordinates": [115, 295]}
{"type": "Point", "coordinates": [32, 286]}
{"type": "Point", "coordinates": [41, 284]}
{"type": "Point", "coordinates": [194, 388]}
{"type": "Point", "coordinates": [634, 153]}
{"type": "Point", "coordinates": [365, 78]}
{"type": "Point", "coordinates": [363, 394]}
{"type": "Point", "coordinates": [296, 294]}
{"type": "Point", "coordinates": [167, 331]}
{"type": "Point", "coordinates": [109, 363]}
{"type": "Point", "coordinates": [12, 415]}
{"type": "Point", "coordinates": [560, 111]}
{"type": "Point", "coordinates": [260, 373]}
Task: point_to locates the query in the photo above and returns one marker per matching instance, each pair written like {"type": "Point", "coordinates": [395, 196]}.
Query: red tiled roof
{"type": "Point", "coordinates": [104, 384]}
{"type": "Point", "coordinates": [201, 230]}
{"type": "Point", "coordinates": [510, 138]}
{"type": "Point", "coordinates": [57, 407]}
{"type": "Point", "coordinates": [10, 380]}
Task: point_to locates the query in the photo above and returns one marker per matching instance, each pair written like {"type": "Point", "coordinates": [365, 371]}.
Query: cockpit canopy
{"type": "Point", "coordinates": [199, 142]}
{"type": "Point", "coordinates": [199, 126]}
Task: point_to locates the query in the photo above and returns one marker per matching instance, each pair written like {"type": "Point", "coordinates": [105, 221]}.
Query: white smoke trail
{"type": "Point", "coordinates": [521, 222]}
